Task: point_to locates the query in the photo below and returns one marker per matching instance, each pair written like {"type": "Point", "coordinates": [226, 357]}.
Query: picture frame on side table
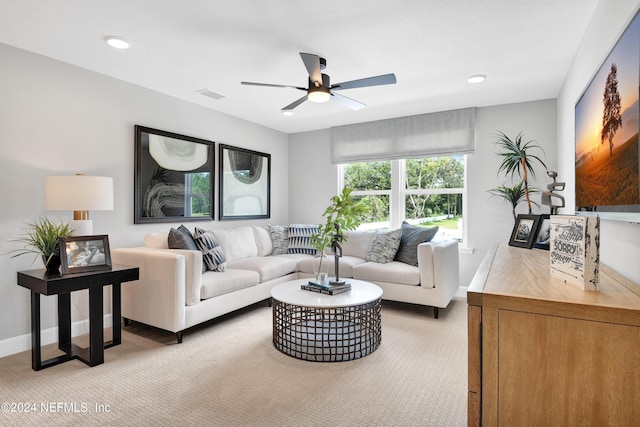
{"type": "Point", "coordinates": [525, 231]}
{"type": "Point", "coordinates": [245, 183]}
{"type": "Point", "coordinates": [79, 254]}
{"type": "Point", "coordinates": [174, 177]}
{"type": "Point", "coordinates": [544, 233]}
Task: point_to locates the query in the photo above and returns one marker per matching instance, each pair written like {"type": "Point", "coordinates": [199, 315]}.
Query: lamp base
{"type": "Point", "coordinates": [82, 227]}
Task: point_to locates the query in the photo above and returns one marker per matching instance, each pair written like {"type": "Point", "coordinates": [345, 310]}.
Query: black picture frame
{"type": "Point", "coordinates": [525, 231]}
{"type": "Point", "coordinates": [174, 177]}
{"type": "Point", "coordinates": [543, 237]}
{"type": "Point", "coordinates": [79, 254]}
{"type": "Point", "coordinates": [245, 183]}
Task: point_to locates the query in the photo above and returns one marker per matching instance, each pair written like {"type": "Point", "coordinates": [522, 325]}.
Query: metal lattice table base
{"type": "Point", "coordinates": [326, 334]}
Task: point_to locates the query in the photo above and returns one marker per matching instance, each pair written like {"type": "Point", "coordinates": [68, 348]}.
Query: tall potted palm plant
{"type": "Point", "coordinates": [517, 157]}
{"type": "Point", "coordinates": [512, 195]}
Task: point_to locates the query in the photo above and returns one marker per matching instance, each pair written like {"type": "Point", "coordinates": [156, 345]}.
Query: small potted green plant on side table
{"type": "Point", "coordinates": [41, 238]}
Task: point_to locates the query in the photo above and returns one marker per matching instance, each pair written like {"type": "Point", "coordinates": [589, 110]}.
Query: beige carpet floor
{"type": "Point", "coordinates": [228, 373]}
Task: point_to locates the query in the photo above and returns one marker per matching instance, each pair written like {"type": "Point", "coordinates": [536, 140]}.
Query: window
{"type": "Point", "coordinates": [197, 194]}
{"type": "Point", "coordinates": [425, 191]}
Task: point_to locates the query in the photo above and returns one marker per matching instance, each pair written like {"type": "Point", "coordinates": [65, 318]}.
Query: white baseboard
{"type": "Point", "coordinates": [22, 343]}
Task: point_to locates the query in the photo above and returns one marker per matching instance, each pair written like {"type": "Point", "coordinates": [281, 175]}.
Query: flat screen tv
{"type": "Point", "coordinates": [607, 123]}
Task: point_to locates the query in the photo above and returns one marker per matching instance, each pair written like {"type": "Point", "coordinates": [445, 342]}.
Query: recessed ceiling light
{"type": "Point", "coordinates": [287, 113]}
{"type": "Point", "coordinates": [477, 78]}
{"type": "Point", "coordinates": [117, 42]}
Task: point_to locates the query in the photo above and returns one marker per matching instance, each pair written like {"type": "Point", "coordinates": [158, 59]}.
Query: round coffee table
{"type": "Point", "coordinates": [326, 328]}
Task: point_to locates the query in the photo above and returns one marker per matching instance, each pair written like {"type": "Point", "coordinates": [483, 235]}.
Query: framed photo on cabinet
{"type": "Point", "coordinates": [525, 231]}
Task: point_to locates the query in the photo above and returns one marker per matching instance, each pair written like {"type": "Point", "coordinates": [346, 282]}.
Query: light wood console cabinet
{"type": "Point", "coordinates": [544, 353]}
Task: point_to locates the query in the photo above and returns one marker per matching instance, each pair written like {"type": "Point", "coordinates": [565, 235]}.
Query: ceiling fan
{"type": "Point", "coordinates": [320, 89]}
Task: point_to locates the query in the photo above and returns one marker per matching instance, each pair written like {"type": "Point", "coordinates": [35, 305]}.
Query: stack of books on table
{"type": "Point", "coordinates": [326, 288]}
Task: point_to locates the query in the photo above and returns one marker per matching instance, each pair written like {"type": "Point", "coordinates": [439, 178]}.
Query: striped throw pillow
{"type": "Point", "coordinates": [300, 239]}
{"type": "Point", "coordinates": [212, 253]}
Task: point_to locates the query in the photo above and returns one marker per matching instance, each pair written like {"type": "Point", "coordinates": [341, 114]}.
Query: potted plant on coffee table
{"type": "Point", "coordinates": [343, 214]}
{"type": "Point", "coordinates": [41, 238]}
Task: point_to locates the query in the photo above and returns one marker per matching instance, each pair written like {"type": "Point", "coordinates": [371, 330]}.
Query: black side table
{"type": "Point", "coordinates": [41, 282]}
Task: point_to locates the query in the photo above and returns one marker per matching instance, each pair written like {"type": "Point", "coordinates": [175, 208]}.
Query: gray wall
{"type": "Point", "coordinates": [619, 241]}
{"type": "Point", "coordinates": [314, 180]}
{"type": "Point", "coordinates": [59, 119]}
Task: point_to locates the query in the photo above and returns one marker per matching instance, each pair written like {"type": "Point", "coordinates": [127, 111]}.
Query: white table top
{"type": "Point", "coordinates": [361, 293]}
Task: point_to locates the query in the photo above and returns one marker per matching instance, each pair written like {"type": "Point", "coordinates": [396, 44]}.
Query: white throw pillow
{"type": "Point", "coordinates": [237, 243]}
{"type": "Point", "coordinates": [263, 240]}
{"type": "Point", "coordinates": [357, 243]}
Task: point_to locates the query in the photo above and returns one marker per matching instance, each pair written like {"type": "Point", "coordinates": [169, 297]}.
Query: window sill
{"type": "Point", "coordinates": [465, 250]}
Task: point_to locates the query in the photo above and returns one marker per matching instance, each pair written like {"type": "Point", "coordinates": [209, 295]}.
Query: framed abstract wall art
{"type": "Point", "coordinates": [174, 177]}
{"type": "Point", "coordinates": [245, 183]}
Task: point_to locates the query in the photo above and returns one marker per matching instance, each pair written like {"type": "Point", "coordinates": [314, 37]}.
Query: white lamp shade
{"type": "Point", "coordinates": [78, 193]}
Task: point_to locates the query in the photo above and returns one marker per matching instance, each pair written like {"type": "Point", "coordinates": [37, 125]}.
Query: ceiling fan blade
{"type": "Point", "coordinates": [294, 104]}
{"type": "Point", "coordinates": [385, 79]}
{"type": "Point", "coordinates": [351, 103]}
{"type": "Point", "coordinates": [312, 62]}
{"type": "Point", "coordinates": [272, 85]}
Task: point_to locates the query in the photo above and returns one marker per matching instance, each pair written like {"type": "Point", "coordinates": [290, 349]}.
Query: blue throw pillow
{"type": "Point", "coordinates": [181, 238]}
{"type": "Point", "coordinates": [412, 236]}
{"type": "Point", "coordinates": [300, 239]}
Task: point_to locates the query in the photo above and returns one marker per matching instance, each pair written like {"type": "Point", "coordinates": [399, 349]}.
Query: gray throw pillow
{"type": "Point", "coordinates": [279, 238]}
{"type": "Point", "coordinates": [384, 246]}
{"type": "Point", "coordinates": [212, 253]}
{"type": "Point", "coordinates": [181, 238]}
{"type": "Point", "coordinates": [412, 236]}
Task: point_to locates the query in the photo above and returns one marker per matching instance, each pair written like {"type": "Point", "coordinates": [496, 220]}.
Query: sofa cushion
{"type": "Point", "coordinates": [412, 236]}
{"type": "Point", "coordinates": [300, 239]}
{"type": "Point", "coordinates": [357, 243]}
{"type": "Point", "coordinates": [263, 240]}
{"type": "Point", "coordinates": [181, 238]}
{"type": "Point", "coordinates": [298, 258]}
{"type": "Point", "coordinates": [279, 238]}
{"type": "Point", "coordinates": [212, 253]}
{"type": "Point", "coordinates": [346, 265]}
{"type": "Point", "coordinates": [384, 246]}
{"type": "Point", "coordinates": [267, 267]}
{"type": "Point", "coordinates": [237, 242]}
{"type": "Point", "coordinates": [214, 284]}
{"type": "Point", "coordinates": [392, 272]}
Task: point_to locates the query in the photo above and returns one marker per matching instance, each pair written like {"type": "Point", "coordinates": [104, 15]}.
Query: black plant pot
{"type": "Point", "coordinates": [54, 264]}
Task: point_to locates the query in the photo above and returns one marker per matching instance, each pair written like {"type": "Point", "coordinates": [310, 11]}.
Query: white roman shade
{"type": "Point", "coordinates": [425, 135]}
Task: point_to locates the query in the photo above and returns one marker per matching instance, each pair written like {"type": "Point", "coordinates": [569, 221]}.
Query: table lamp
{"type": "Point", "coordinates": [79, 193]}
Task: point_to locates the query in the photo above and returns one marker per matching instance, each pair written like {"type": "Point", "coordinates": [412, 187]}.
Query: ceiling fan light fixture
{"type": "Point", "coordinates": [117, 42]}
{"type": "Point", "coordinates": [318, 94]}
{"type": "Point", "coordinates": [477, 78]}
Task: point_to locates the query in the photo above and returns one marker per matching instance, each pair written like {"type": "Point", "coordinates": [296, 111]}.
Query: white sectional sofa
{"type": "Point", "coordinates": [174, 294]}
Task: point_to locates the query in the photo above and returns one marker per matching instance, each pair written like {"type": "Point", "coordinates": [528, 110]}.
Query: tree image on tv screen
{"type": "Point", "coordinates": [611, 118]}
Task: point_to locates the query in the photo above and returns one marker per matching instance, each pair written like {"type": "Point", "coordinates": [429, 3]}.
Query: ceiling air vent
{"type": "Point", "coordinates": [210, 94]}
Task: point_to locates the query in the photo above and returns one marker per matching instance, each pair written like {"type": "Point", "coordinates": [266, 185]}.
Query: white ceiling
{"type": "Point", "coordinates": [525, 47]}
